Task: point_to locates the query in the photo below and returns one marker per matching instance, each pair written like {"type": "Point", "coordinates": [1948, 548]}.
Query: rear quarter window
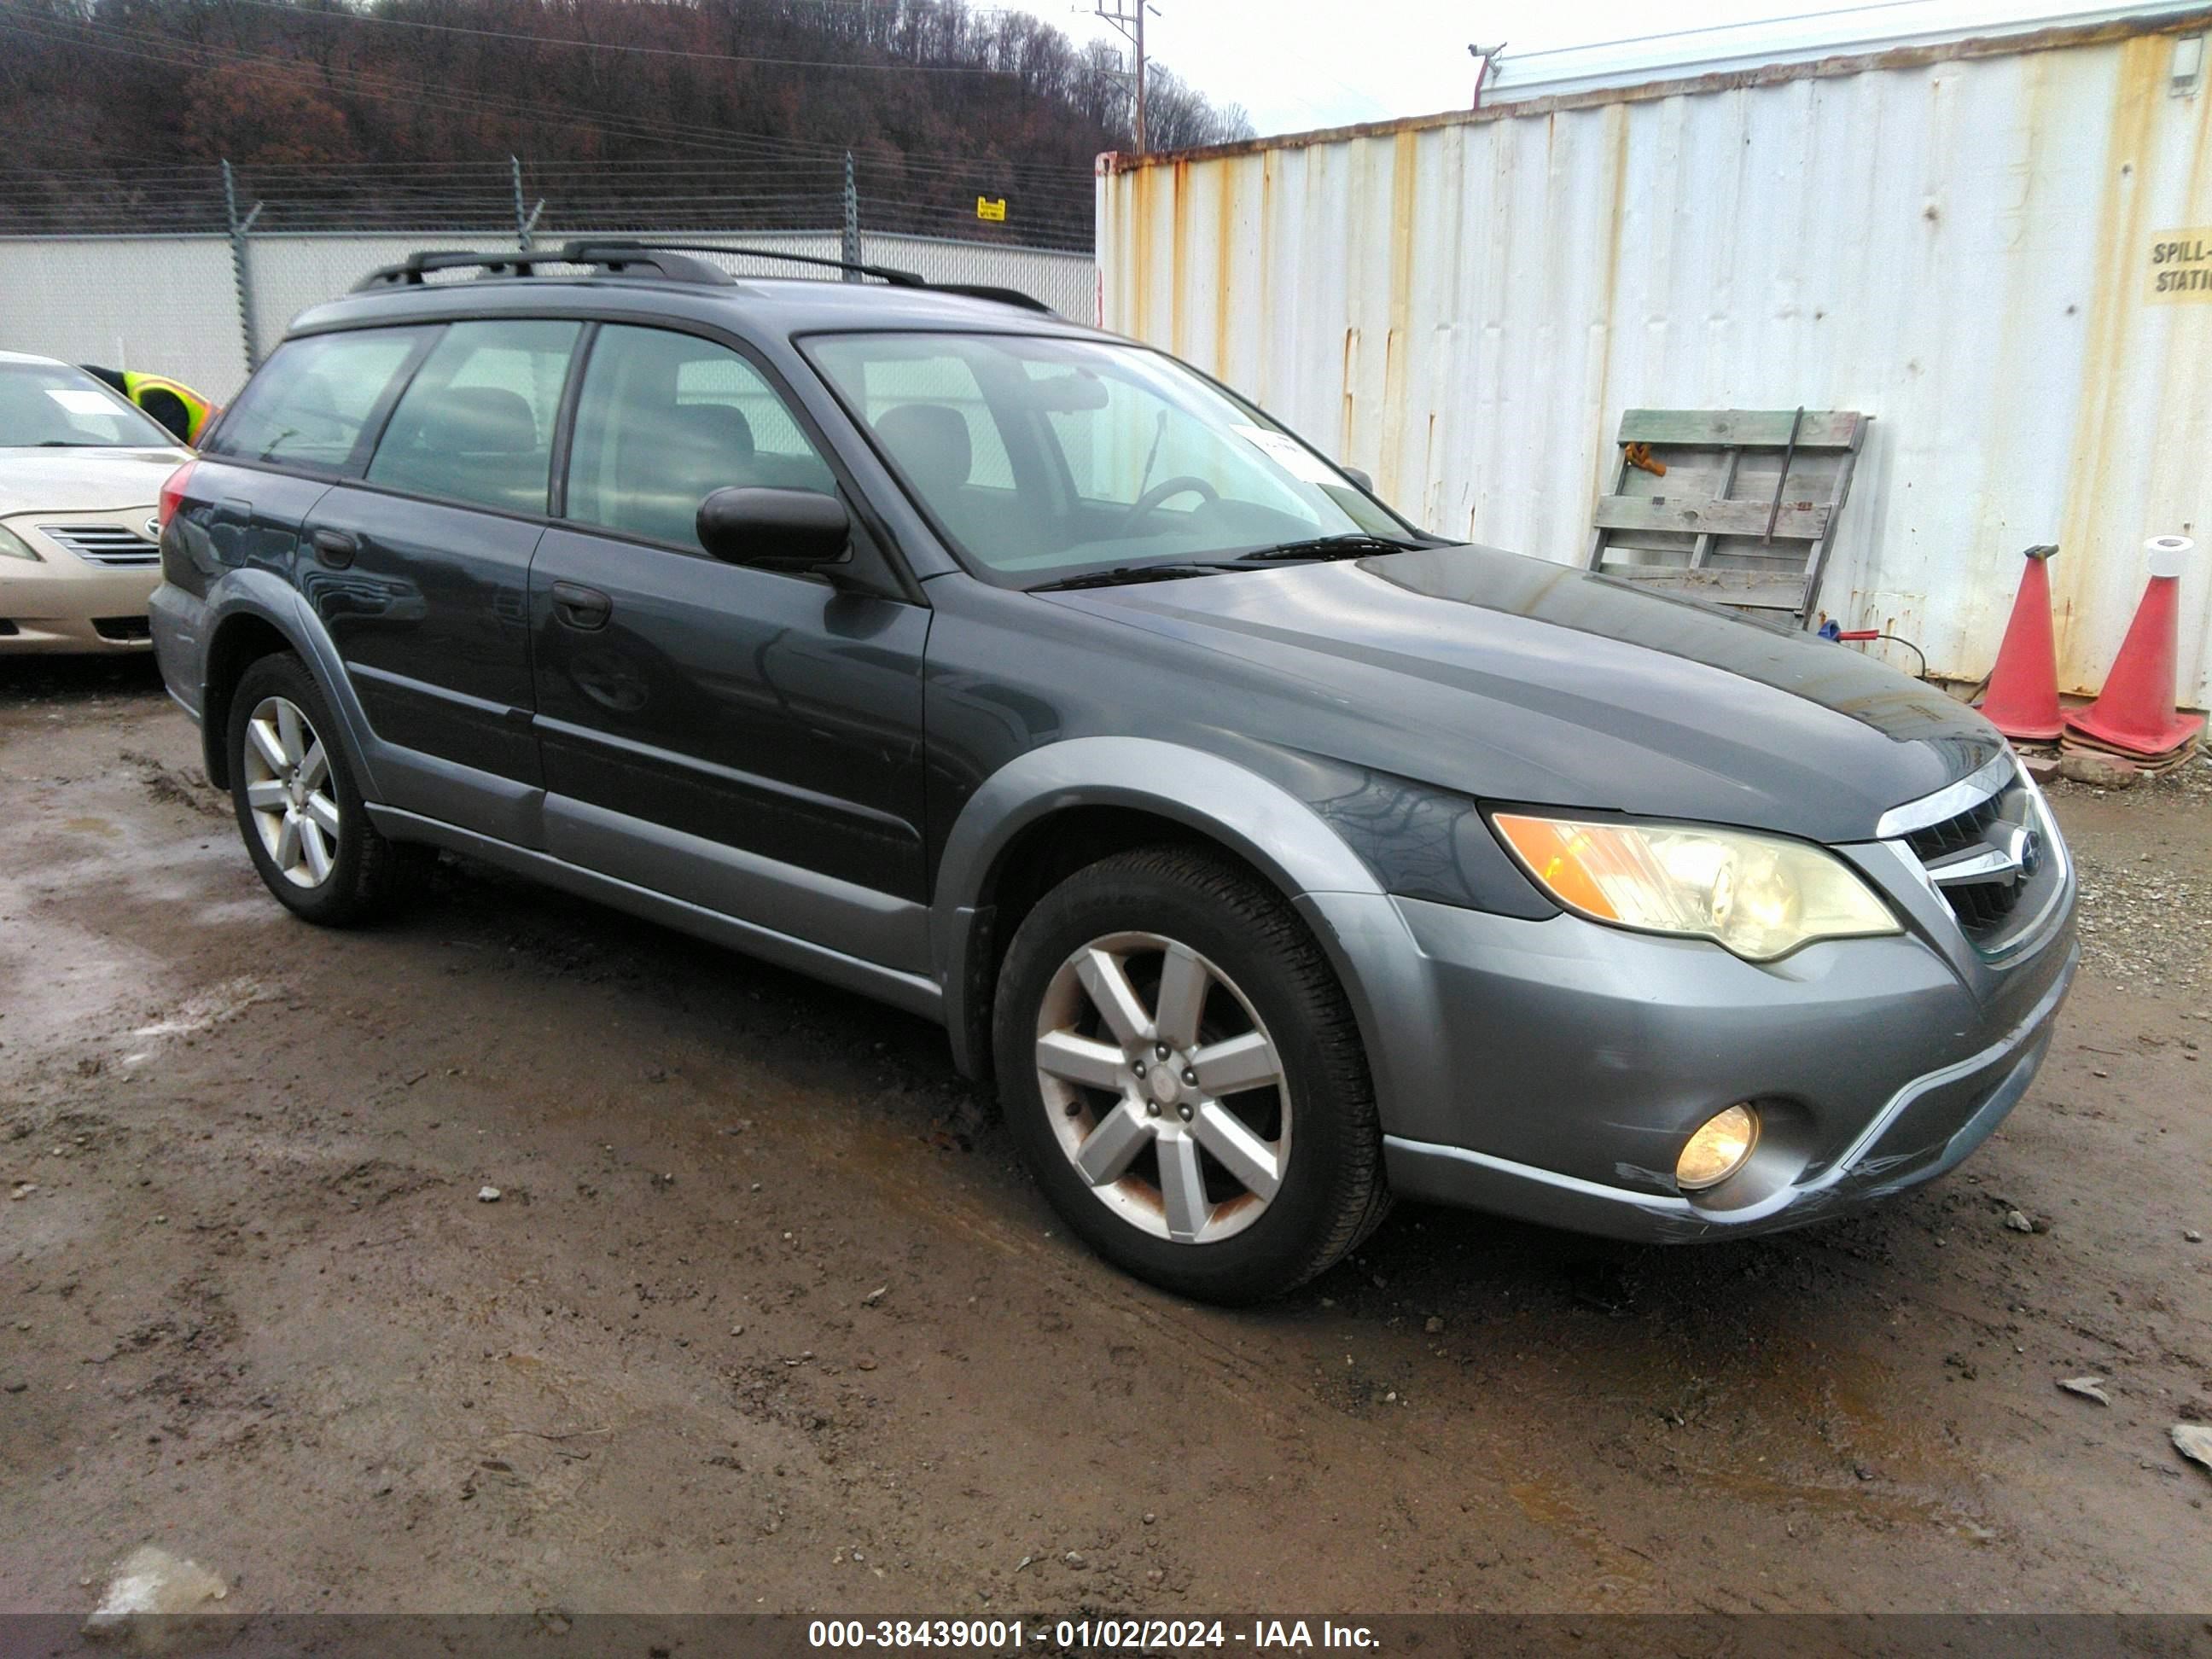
{"type": "Point", "coordinates": [309, 402]}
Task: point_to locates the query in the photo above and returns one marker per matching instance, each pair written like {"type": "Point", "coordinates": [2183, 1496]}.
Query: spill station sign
{"type": "Point", "coordinates": [2181, 266]}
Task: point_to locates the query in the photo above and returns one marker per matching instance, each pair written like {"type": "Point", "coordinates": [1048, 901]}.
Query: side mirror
{"type": "Point", "coordinates": [1360, 477]}
{"type": "Point", "coordinates": [775, 529]}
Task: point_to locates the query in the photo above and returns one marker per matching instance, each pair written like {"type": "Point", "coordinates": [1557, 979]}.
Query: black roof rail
{"type": "Point", "coordinates": [599, 250]}
{"type": "Point", "coordinates": [620, 255]}
{"type": "Point", "coordinates": [1005, 297]}
{"type": "Point", "coordinates": [614, 256]}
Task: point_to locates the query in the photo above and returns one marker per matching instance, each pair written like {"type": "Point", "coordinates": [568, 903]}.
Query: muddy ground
{"type": "Point", "coordinates": [766, 1315]}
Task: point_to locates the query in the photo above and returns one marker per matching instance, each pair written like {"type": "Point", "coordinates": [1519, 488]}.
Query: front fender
{"type": "Point", "coordinates": [1359, 928]}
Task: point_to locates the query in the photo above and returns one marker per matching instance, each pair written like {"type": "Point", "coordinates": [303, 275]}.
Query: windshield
{"type": "Point", "coordinates": [52, 405]}
{"type": "Point", "coordinates": [1038, 458]}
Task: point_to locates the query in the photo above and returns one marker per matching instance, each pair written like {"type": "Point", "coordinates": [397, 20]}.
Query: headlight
{"type": "Point", "coordinates": [12, 546]}
{"type": "Point", "coordinates": [1759, 896]}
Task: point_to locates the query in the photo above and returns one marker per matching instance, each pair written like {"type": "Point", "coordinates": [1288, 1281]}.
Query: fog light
{"type": "Point", "coordinates": [1718, 1150]}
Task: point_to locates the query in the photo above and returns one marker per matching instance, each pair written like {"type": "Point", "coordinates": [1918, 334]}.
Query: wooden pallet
{"type": "Point", "coordinates": [1747, 512]}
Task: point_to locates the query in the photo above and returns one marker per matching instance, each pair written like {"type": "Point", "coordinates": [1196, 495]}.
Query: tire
{"type": "Point", "coordinates": [1252, 1159]}
{"type": "Point", "coordinates": [287, 800]}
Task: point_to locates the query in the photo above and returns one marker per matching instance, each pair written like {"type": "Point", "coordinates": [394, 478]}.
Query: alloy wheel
{"type": "Point", "coordinates": [290, 791]}
{"type": "Point", "coordinates": [1164, 1087]}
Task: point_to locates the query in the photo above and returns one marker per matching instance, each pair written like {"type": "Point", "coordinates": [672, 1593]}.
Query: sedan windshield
{"type": "Point", "coordinates": [1041, 459]}
{"type": "Point", "coordinates": [53, 406]}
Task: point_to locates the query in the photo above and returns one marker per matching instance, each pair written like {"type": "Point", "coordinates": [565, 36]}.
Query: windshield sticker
{"type": "Point", "coordinates": [1288, 453]}
{"type": "Point", "coordinates": [77, 401]}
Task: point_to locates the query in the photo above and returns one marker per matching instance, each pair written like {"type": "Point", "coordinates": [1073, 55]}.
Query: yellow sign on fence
{"type": "Point", "coordinates": [987, 208]}
{"type": "Point", "coordinates": [2181, 266]}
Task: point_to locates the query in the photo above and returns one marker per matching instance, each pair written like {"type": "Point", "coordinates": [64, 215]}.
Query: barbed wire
{"type": "Point", "coordinates": [479, 197]}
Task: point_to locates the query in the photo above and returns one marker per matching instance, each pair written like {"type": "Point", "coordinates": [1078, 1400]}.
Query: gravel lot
{"type": "Point", "coordinates": [766, 1317]}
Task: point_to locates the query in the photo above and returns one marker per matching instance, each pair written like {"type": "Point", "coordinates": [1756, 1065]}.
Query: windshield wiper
{"type": "Point", "coordinates": [1128, 572]}
{"type": "Point", "coordinates": [72, 443]}
{"type": "Point", "coordinates": [1351, 544]}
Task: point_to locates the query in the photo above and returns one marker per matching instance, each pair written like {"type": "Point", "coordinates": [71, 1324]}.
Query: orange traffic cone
{"type": "Point", "coordinates": [2022, 701]}
{"type": "Point", "coordinates": [2134, 714]}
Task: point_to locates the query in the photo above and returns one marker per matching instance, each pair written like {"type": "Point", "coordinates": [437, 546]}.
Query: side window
{"type": "Point", "coordinates": [310, 401]}
{"type": "Point", "coordinates": [664, 421]}
{"type": "Point", "coordinates": [475, 423]}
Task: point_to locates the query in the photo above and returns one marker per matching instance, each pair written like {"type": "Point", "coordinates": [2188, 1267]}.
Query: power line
{"type": "Point", "coordinates": [341, 12]}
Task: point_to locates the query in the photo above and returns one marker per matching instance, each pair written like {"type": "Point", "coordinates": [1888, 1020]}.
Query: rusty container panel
{"type": "Point", "coordinates": [1963, 243]}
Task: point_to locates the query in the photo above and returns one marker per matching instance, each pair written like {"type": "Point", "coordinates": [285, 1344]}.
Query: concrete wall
{"type": "Point", "coordinates": [170, 303]}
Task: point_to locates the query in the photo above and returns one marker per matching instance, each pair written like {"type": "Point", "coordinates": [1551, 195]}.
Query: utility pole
{"type": "Point", "coordinates": [1128, 17]}
{"type": "Point", "coordinates": [1140, 10]}
{"type": "Point", "coordinates": [848, 245]}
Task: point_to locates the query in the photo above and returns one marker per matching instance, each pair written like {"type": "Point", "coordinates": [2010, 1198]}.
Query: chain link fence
{"type": "Point", "coordinates": [196, 272]}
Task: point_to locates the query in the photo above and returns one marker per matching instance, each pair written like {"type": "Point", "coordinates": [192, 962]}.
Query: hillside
{"type": "Point", "coordinates": [735, 114]}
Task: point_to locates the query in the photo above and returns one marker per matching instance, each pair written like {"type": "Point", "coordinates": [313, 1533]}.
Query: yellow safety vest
{"type": "Point", "coordinates": [196, 408]}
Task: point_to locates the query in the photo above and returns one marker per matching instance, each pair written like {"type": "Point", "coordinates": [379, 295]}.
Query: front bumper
{"type": "Point", "coordinates": [1554, 1070]}
{"type": "Point", "coordinates": [64, 604]}
{"type": "Point", "coordinates": [1920, 1131]}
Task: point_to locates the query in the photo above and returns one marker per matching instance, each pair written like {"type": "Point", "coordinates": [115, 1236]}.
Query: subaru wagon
{"type": "Point", "coordinates": [1270, 856]}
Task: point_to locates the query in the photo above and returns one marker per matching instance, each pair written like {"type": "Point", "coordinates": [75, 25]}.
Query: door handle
{"type": "Point", "coordinates": [580, 606]}
{"type": "Point", "coordinates": [335, 548]}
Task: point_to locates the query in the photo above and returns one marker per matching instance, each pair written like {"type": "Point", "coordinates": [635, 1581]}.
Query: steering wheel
{"type": "Point", "coordinates": [1148, 503]}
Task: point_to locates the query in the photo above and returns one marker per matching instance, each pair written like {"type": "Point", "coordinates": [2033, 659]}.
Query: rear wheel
{"type": "Point", "coordinates": [298, 809]}
{"type": "Point", "coordinates": [1185, 1077]}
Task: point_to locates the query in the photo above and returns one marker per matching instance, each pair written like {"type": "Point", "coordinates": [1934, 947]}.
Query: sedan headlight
{"type": "Point", "coordinates": [1759, 896]}
{"type": "Point", "coordinates": [12, 546]}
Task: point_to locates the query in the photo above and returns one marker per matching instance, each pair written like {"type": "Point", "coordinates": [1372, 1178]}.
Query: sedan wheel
{"type": "Point", "coordinates": [290, 790]}
{"type": "Point", "coordinates": [1164, 1088]}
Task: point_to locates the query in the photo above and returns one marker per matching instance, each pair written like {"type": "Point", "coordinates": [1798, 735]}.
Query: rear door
{"type": "Point", "coordinates": [306, 420]}
{"type": "Point", "coordinates": [745, 740]}
{"type": "Point", "coordinates": [420, 570]}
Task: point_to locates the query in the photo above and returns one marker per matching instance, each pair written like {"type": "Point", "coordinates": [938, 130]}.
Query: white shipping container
{"type": "Point", "coordinates": [2001, 249]}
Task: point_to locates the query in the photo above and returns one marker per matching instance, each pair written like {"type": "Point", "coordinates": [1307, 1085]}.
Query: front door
{"type": "Point", "coordinates": [744, 739]}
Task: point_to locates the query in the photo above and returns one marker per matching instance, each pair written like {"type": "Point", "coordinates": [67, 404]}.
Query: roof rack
{"type": "Point", "coordinates": [1005, 297]}
{"type": "Point", "coordinates": [618, 255]}
{"type": "Point", "coordinates": [601, 249]}
{"type": "Point", "coordinates": [412, 271]}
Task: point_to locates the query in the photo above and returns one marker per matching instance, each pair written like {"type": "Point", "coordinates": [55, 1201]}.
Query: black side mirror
{"type": "Point", "coordinates": [775, 529]}
{"type": "Point", "coordinates": [1359, 475]}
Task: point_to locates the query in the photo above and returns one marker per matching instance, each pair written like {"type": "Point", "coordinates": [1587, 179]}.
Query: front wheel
{"type": "Point", "coordinates": [1184, 1076]}
{"type": "Point", "coordinates": [298, 809]}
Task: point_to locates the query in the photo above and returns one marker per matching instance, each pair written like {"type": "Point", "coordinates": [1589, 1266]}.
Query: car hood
{"type": "Point", "coordinates": [1518, 680]}
{"type": "Point", "coordinates": [83, 480]}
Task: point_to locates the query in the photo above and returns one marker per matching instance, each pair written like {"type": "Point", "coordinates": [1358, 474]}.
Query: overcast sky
{"type": "Point", "coordinates": [1302, 63]}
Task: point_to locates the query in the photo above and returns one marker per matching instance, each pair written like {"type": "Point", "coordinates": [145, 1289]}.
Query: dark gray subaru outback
{"type": "Point", "coordinates": [1273, 856]}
